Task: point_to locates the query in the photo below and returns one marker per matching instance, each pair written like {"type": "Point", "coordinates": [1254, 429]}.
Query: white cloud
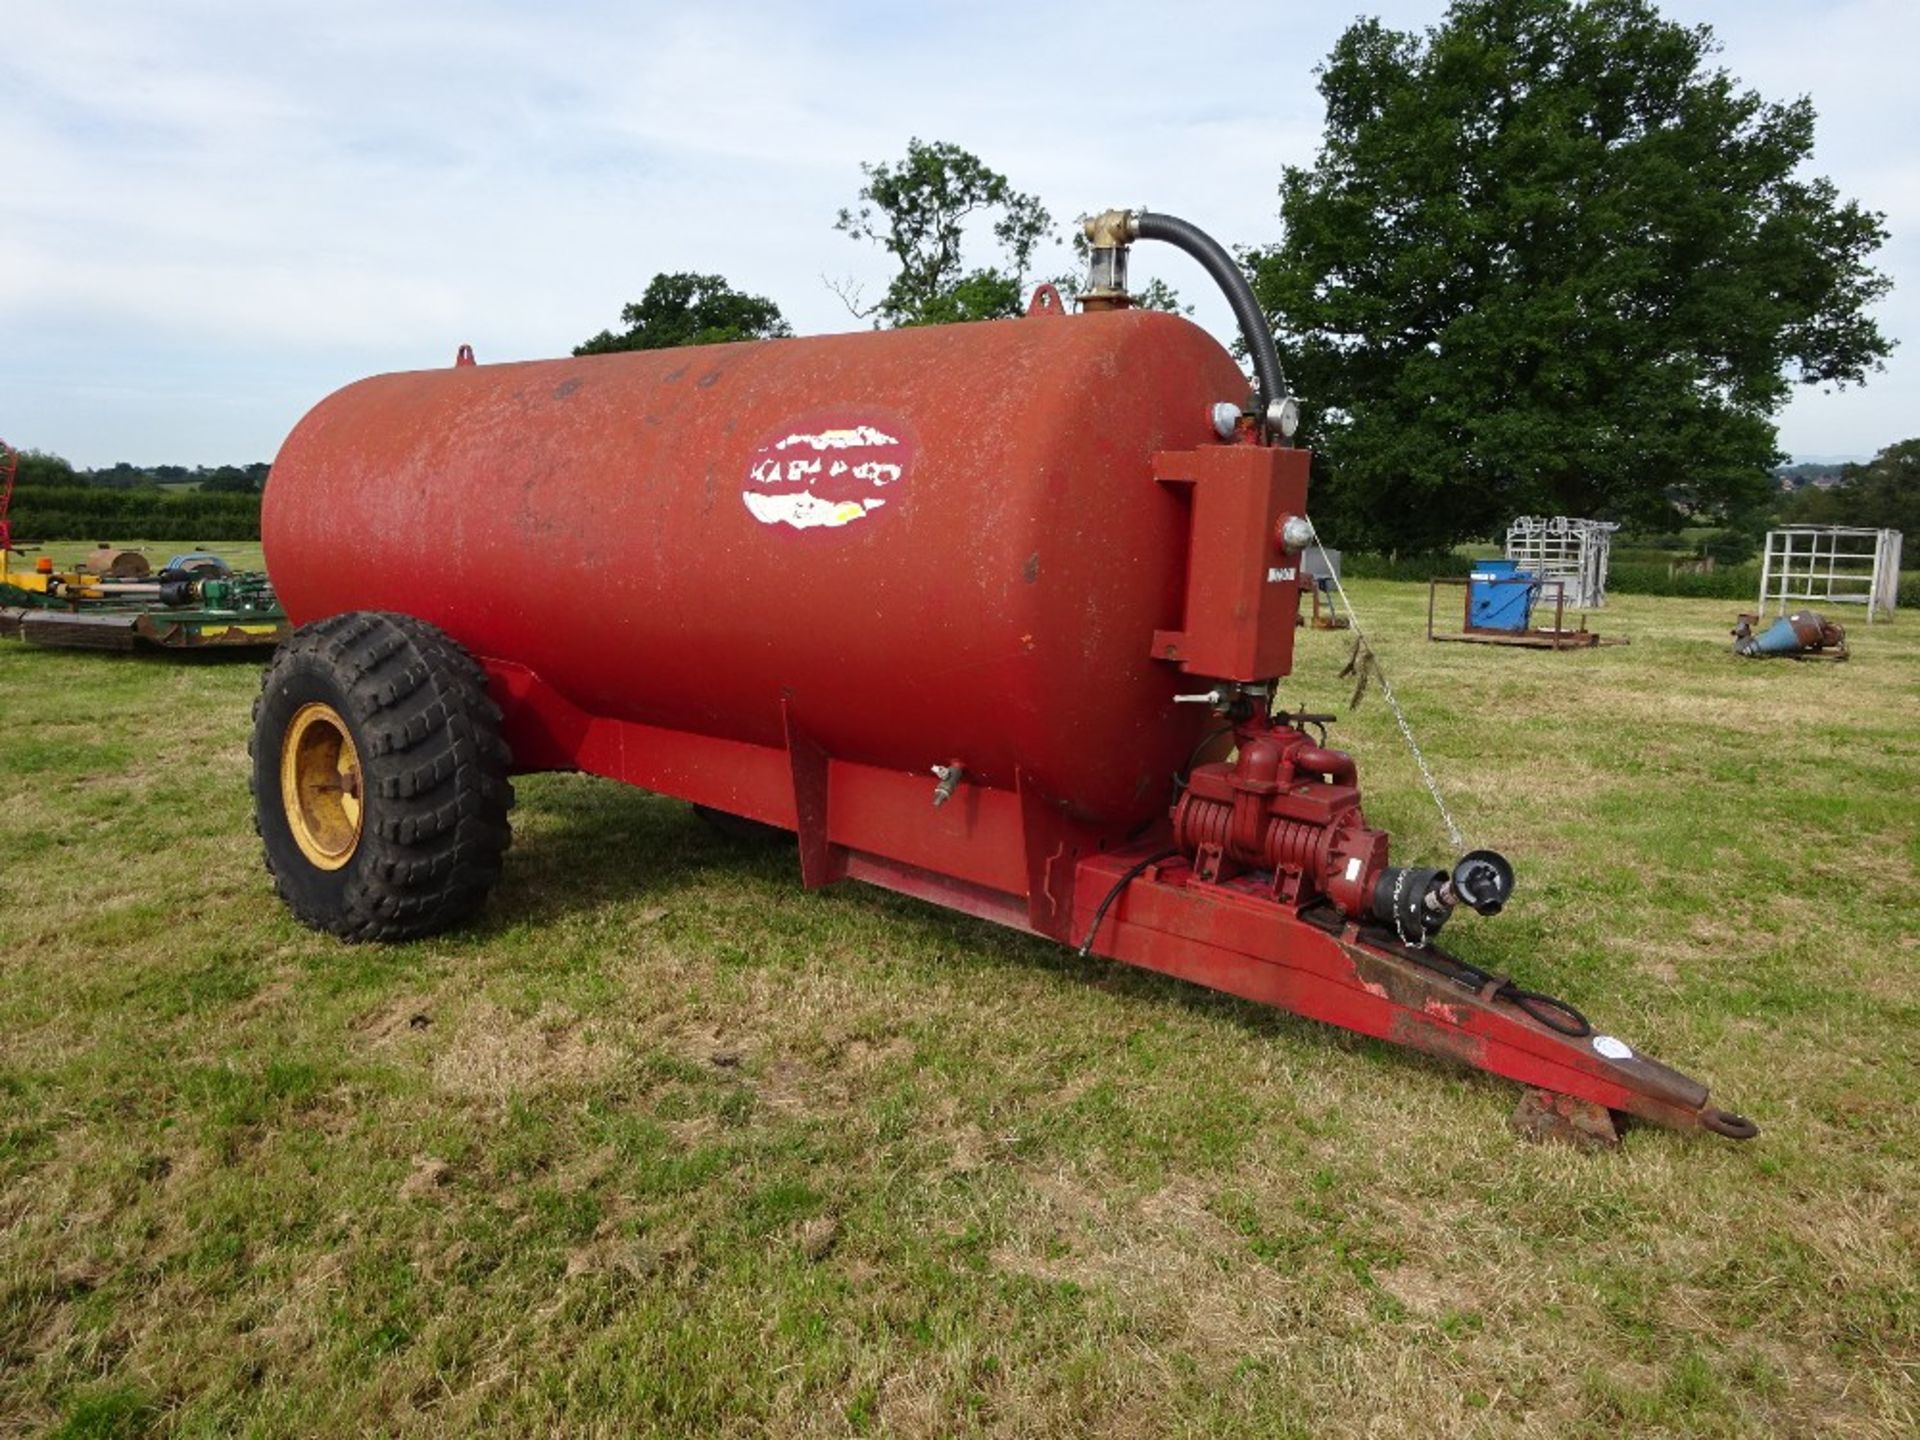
{"type": "Point", "coordinates": [271, 199]}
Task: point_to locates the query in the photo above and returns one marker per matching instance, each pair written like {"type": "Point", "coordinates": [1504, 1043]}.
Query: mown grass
{"type": "Point", "coordinates": [240, 554]}
{"type": "Point", "coordinates": [668, 1145]}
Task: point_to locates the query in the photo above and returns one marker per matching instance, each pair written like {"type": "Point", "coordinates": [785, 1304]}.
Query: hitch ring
{"type": "Point", "coordinates": [1734, 1127]}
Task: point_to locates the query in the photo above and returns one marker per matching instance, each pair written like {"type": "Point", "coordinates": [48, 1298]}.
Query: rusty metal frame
{"type": "Point", "coordinates": [1319, 619]}
{"type": "Point", "coordinates": [107, 628]}
{"type": "Point", "coordinates": [1015, 858]}
{"type": "Point", "coordinates": [1559, 637]}
{"type": "Point", "coordinates": [9, 469]}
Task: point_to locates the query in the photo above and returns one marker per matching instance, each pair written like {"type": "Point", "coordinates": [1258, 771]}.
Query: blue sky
{"type": "Point", "coordinates": [217, 213]}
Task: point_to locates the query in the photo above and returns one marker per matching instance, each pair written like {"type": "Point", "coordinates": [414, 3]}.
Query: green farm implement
{"type": "Point", "coordinates": [114, 599]}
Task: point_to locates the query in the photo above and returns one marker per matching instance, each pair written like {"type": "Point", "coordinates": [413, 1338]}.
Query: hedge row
{"type": "Point", "coordinates": [1641, 577]}
{"type": "Point", "coordinates": [85, 512]}
{"type": "Point", "coordinates": [1357, 565]}
{"type": "Point", "coordinates": [1730, 582]}
{"type": "Point", "coordinates": [58, 525]}
{"type": "Point", "coordinates": [1624, 577]}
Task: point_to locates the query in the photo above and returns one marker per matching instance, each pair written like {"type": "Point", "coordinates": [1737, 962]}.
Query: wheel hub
{"type": "Point", "coordinates": [320, 786]}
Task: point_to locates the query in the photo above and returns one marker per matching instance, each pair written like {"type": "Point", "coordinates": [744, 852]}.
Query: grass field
{"type": "Point", "coordinates": [667, 1145]}
{"type": "Point", "coordinates": [240, 554]}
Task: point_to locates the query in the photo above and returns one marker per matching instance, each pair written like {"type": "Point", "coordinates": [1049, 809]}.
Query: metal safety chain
{"type": "Point", "coordinates": [1386, 690]}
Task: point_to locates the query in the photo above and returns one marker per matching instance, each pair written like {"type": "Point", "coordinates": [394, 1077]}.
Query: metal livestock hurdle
{"type": "Point", "coordinates": [1574, 552]}
{"type": "Point", "coordinates": [1832, 564]}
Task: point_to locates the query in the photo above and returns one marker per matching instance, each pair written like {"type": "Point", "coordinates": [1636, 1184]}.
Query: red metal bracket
{"type": "Point", "coordinates": [8, 469]}
{"type": "Point", "coordinates": [1243, 588]}
{"type": "Point", "coordinates": [821, 861]}
{"type": "Point", "coordinates": [1021, 860]}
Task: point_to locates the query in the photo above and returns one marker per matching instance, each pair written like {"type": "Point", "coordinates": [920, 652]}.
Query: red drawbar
{"type": "Point", "coordinates": [1232, 936]}
{"type": "Point", "coordinates": [1258, 908]}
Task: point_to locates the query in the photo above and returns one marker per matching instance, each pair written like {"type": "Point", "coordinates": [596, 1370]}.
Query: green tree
{"type": "Point", "coordinates": [120, 476]}
{"type": "Point", "coordinates": [687, 309]}
{"type": "Point", "coordinates": [42, 468]}
{"type": "Point", "coordinates": [1550, 260]}
{"type": "Point", "coordinates": [1883, 494]}
{"type": "Point", "coordinates": [918, 210]}
{"type": "Point", "coordinates": [226, 480]}
{"type": "Point", "coordinates": [1731, 547]}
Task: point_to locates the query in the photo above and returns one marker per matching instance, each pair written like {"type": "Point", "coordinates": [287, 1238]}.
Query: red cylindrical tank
{"type": "Point", "coordinates": [931, 544]}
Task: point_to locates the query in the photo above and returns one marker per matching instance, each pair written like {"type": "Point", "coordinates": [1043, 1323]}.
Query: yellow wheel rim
{"type": "Point", "coordinates": [320, 786]}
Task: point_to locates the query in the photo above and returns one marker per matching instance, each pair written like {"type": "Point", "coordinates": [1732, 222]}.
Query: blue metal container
{"type": "Point", "coordinates": [1500, 595]}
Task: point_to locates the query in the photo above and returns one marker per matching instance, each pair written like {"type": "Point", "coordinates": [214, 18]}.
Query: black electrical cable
{"type": "Point", "coordinates": [1133, 872]}
{"type": "Point", "coordinates": [1180, 780]}
{"type": "Point", "coordinates": [1551, 1011]}
{"type": "Point", "coordinates": [1545, 1008]}
{"type": "Point", "coordinates": [1227, 274]}
{"type": "Point", "coordinates": [1212, 735]}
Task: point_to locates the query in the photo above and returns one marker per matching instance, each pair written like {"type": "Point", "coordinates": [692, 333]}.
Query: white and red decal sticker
{"type": "Point", "coordinates": [828, 474]}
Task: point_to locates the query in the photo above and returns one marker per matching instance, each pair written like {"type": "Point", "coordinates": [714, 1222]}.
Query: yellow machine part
{"type": "Point", "coordinates": [70, 582]}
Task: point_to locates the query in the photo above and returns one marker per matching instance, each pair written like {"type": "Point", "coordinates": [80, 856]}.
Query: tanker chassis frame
{"type": "Point", "coordinates": [1238, 895]}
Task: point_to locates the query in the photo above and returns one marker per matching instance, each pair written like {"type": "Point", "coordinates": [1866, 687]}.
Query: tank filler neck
{"type": "Point", "coordinates": [1108, 236]}
{"type": "Point", "coordinates": [1112, 232]}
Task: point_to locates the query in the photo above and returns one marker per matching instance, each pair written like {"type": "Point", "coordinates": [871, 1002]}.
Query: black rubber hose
{"type": "Point", "coordinates": [1232, 281]}
{"type": "Point", "coordinates": [1133, 873]}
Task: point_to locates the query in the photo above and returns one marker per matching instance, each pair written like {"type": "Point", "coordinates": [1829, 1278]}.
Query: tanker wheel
{"type": "Point", "coordinates": [379, 777]}
{"type": "Point", "coordinates": [741, 830]}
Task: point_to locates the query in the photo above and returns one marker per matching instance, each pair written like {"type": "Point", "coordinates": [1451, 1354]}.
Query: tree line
{"type": "Point", "coordinates": [1882, 494]}
{"type": "Point", "coordinates": [1550, 259]}
{"type": "Point", "coordinates": [54, 499]}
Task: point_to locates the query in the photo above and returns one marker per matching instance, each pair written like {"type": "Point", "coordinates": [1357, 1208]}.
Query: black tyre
{"type": "Point", "coordinates": [379, 777]}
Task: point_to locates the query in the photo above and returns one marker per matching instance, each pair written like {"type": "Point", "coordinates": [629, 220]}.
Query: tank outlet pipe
{"type": "Point", "coordinates": [1108, 236]}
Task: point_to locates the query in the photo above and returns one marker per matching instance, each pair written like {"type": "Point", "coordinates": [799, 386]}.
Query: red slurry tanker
{"type": "Point", "coordinates": [959, 607]}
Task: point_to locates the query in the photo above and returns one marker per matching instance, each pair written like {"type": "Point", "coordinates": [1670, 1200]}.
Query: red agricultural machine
{"type": "Point", "coordinates": [966, 609]}
{"type": "Point", "coordinates": [9, 468]}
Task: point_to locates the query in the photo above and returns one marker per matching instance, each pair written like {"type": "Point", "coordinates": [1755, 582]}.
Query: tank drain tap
{"type": "Point", "coordinates": [948, 777]}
